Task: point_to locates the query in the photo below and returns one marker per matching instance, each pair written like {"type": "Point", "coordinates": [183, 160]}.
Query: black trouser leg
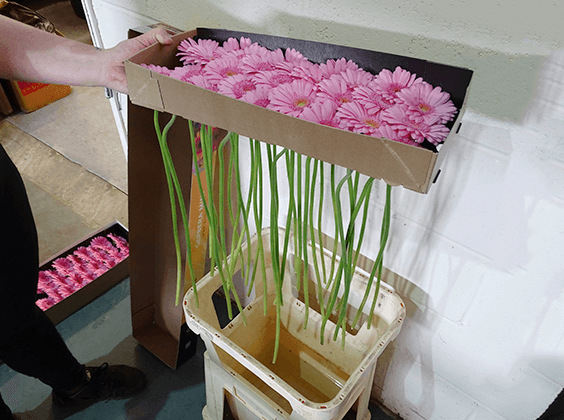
{"type": "Point", "coordinates": [29, 342]}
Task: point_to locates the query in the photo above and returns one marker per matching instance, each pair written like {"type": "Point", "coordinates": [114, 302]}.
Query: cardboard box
{"type": "Point", "coordinates": [158, 324]}
{"type": "Point", "coordinates": [396, 163]}
{"type": "Point", "coordinates": [96, 288]}
{"type": "Point", "coordinates": [31, 96]}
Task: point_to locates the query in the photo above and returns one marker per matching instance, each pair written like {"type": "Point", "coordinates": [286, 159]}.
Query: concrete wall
{"type": "Point", "coordinates": [482, 253]}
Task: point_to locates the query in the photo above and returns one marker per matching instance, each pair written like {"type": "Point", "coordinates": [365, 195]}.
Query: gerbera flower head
{"type": "Point", "coordinates": [255, 63]}
{"type": "Point", "coordinates": [255, 48]}
{"type": "Point", "coordinates": [273, 78]}
{"type": "Point", "coordinates": [370, 98]}
{"type": "Point", "coordinates": [202, 81]}
{"type": "Point", "coordinates": [292, 98]}
{"type": "Point", "coordinates": [233, 44]}
{"type": "Point", "coordinates": [157, 69]}
{"type": "Point", "coordinates": [427, 104]}
{"type": "Point", "coordinates": [389, 84]}
{"type": "Point", "coordinates": [223, 67]}
{"type": "Point", "coordinates": [399, 120]}
{"type": "Point", "coordinates": [258, 96]}
{"type": "Point", "coordinates": [354, 117]}
{"type": "Point", "coordinates": [236, 86]}
{"type": "Point", "coordinates": [356, 78]}
{"type": "Point", "coordinates": [321, 112]}
{"type": "Point", "coordinates": [335, 89]}
{"type": "Point", "coordinates": [201, 52]}
{"type": "Point", "coordinates": [185, 72]}
{"type": "Point", "coordinates": [308, 71]}
{"type": "Point", "coordinates": [295, 57]}
{"type": "Point", "coordinates": [331, 67]}
{"type": "Point", "coordinates": [386, 131]}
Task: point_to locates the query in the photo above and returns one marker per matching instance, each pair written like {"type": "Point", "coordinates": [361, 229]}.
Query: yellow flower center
{"type": "Point", "coordinates": [372, 123]}
{"type": "Point", "coordinates": [424, 107]}
{"type": "Point", "coordinates": [301, 102]}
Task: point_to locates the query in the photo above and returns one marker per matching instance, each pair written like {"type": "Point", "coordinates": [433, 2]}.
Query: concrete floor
{"type": "Point", "coordinates": [70, 157]}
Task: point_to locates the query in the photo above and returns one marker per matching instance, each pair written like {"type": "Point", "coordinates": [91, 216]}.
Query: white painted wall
{"type": "Point", "coordinates": [483, 252]}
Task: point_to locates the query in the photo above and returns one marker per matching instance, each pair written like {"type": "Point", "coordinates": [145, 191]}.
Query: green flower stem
{"type": "Point", "coordinates": [207, 141]}
{"type": "Point", "coordinates": [221, 197]}
{"type": "Point", "coordinates": [220, 253]}
{"type": "Point", "coordinates": [285, 152]}
{"type": "Point", "coordinates": [377, 267]}
{"type": "Point", "coordinates": [357, 205]}
{"type": "Point", "coordinates": [172, 177]}
{"type": "Point", "coordinates": [304, 238]}
{"type": "Point", "coordinates": [290, 171]}
{"type": "Point", "coordinates": [368, 186]}
{"type": "Point", "coordinates": [253, 185]}
{"type": "Point", "coordinates": [274, 245]}
{"type": "Point", "coordinates": [383, 240]}
{"type": "Point", "coordinates": [336, 241]}
{"type": "Point", "coordinates": [299, 219]}
{"type": "Point", "coordinates": [340, 237]}
{"type": "Point", "coordinates": [319, 218]}
{"type": "Point", "coordinates": [312, 233]}
{"type": "Point", "coordinates": [258, 211]}
{"type": "Point", "coordinates": [244, 207]}
{"type": "Point", "coordinates": [172, 203]}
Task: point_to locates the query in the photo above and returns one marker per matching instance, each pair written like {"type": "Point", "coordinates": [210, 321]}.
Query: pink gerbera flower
{"type": "Point", "coordinates": [356, 78]}
{"type": "Point", "coordinates": [236, 86]}
{"type": "Point", "coordinates": [354, 117]}
{"type": "Point", "coordinates": [63, 266]}
{"type": "Point", "coordinates": [221, 68]}
{"type": "Point", "coordinates": [202, 81]}
{"type": "Point", "coordinates": [370, 98]}
{"type": "Point", "coordinates": [332, 67]}
{"type": "Point", "coordinates": [335, 89]}
{"type": "Point", "coordinates": [321, 112]}
{"type": "Point", "coordinates": [233, 44]}
{"type": "Point", "coordinates": [256, 63]}
{"type": "Point", "coordinates": [185, 72]}
{"type": "Point", "coordinates": [295, 57]}
{"type": "Point", "coordinates": [255, 48]}
{"type": "Point", "coordinates": [389, 84]}
{"type": "Point", "coordinates": [292, 98]}
{"type": "Point", "coordinates": [308, 71]}
{"type": "Point", "coordinates": [398, 119]}
{"type": "Point", "coordinates": [258, 97]}
{"type": "Point", "coordinates": [201, 52]}
{"type": "Point", "coordinates": [427, 104]}
{"type": "Point", "coordinates": [272, 79]}
{"type": "Point", "coordinates": [157, 69]}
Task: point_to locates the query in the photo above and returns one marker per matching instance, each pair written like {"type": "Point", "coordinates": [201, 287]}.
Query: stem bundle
{"type": "Point", "coordinates": [306, 190]}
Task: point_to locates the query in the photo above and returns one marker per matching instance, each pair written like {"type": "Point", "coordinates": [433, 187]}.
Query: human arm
{"type": "Point", "coordinates": [29, 54]}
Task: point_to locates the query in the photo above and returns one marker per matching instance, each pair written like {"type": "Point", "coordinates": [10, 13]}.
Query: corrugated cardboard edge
{"type": "Point", "coordinates": [394, 162]}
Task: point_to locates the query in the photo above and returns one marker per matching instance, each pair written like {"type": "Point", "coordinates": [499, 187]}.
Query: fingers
{"type": "Point", "coordinates": [159, 35]}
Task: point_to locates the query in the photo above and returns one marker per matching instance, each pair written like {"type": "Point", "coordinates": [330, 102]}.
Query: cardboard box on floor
{"type": "Point", "coordinates": [158, 324]}
{"type": "Point", "coordinates": [100, 285]}
{"type": "Point", "coordinates": [396, 163]}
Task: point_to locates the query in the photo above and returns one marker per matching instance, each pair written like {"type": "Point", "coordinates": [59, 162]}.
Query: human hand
{"type": "Point", "coordinates": [113, 67]}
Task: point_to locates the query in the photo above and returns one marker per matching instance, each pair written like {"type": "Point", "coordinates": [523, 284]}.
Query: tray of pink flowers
{"type": "Point", "coordinates": [386, 116]}
{"type": "Point", "coordinates": [83, 271]}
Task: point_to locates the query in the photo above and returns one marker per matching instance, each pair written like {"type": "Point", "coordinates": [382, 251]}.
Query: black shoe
{"type": "Point", "coordinates": [102, 384]}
